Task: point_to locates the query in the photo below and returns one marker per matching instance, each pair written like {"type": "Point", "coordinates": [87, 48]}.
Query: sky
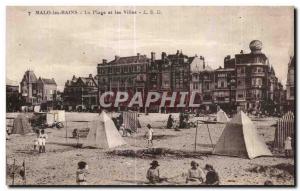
{"type": "Point", "coordinates": [60, 46]}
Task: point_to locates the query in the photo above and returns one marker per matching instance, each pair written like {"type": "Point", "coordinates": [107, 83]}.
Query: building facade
{"type": "Point", "coordinates": [254, 79]}
{"type": "Point", "coordinates": [290, 85]}
{"type": "Point", "coordinates": [225, 89]}
{"type": "Point", "coordinates": [246, 82]}
{"type": "Point", "coordinates": [37, 91]}
{"type": "Point", "coordinates": [170, 73]}
{"type": "Point", "coordinates": [28, 87]}
{"type": "Point", "coordinates": [81, 94]}
{"type": "Point", "coordinates": [12, 96]}
{"type": "Point", "coordinates": [46, 89]}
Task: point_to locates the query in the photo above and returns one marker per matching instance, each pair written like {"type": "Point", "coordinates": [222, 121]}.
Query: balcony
{"type": "Point", "coordinates": [258, 74]}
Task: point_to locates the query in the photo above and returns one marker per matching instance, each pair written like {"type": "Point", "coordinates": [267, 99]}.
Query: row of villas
{"type": "Point", "coordinates": [247, 81]}
{"type": "Point", "coordinates": [33, 91]}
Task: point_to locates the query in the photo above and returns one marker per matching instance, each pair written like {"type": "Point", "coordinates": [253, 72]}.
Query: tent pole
{"type": "Point", "coordinates": [66, 131]}
{"type": "Point", "coordinates": [209, 136]}
{"type": "Point", "coordinates": [13, 178]}
{"type": "Point", "coordinates": [196, 137]}
{"type": "Point", "coordinates": [24, 172]}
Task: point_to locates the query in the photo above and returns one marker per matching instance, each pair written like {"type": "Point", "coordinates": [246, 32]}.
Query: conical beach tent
{"type": "Point", "coordinates": [240, 138]}
{"type": "Point", "coordinates": [222, 116]}
{"type": "Point", "coordinates": [21, 125]}
{"type": "Point", "coordinates": [103, 133]}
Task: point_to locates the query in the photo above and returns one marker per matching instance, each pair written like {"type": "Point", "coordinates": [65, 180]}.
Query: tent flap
{"type": "Point", "coordinates": [103, 133]}
{"type": "Point", "coordinates": [240, 138]}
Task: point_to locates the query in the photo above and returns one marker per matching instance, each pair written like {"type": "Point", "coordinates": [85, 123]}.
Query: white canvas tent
{"type": "Point", "coordinates": [56, 115]}
{"type": "Point", "coordinates": [103, 133]}
{"type": "Point", "coordinates": [222, 116]}
{"type": "Point", "coordinates": [240, 138]}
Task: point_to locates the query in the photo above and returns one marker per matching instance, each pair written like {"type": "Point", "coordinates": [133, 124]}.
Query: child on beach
{"type": "Point", "coordinates": [36, 140]}
{"type": "Point", "coordinates": [150, 135]}
{"type": "Point", "coordinates": [153, 173]}
{"type": "Point", "coordinates": [42, 141]}
{"type": "Point", "coordinates": [81, 173]}
{"type": "Point", "coordinates": [212, 177]}
{"type": "Point", "coordinates": [195, 174]}
{"type": "Point", "coordinates": [288, 147]}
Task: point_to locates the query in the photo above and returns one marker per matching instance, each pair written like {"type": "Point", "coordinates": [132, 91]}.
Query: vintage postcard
{"type": "Point", "coordinates": [150, 96]}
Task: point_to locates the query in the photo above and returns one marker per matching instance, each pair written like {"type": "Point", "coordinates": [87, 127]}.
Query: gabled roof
{"type": "Point", "coordinates": [198, 65]}
{"type": "Point", "coordinates": [48, 81]}
{"type": "Point", "coordinates": [129, 59]}
{"type": "Point", "coordinates": [177, 56]}
{"type": "Point", "coordinates": [86, 80]}
{"type": "Point", "coordinates": [30, 77]}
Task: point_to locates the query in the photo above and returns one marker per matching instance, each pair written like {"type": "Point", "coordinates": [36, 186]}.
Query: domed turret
{"type": "Point", "coordinates": [255, 46]}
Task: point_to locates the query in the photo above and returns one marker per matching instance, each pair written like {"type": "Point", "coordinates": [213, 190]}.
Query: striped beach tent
{"type": "Point", "coordinates": [131, 121]}
{"type": "Point", "coordinates": [285, 128]}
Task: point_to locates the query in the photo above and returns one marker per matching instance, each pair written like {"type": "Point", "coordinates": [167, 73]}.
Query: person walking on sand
{"type": "Point", "coordinates": [288, 147]}
{"type": "Point", "coordinates": [212, 177]}
{"type": "Point", "coordinates": [153, 173]}
{"type": "Point", "coordinates": [81, 173]}
{"type": "Point", "coordinates": [42, 141]}
{"type": "Point", "coordinates": [149, 135]}
{"type": "Point", "coordinates": [195, 174]}
{"type": "Point", "coordinates": [170, 122]}
{"type": "Point", "coordinates": [36, 140]}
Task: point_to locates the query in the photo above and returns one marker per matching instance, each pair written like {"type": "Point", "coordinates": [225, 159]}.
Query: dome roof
{"type": "Point", "coordinates": [255, 46]}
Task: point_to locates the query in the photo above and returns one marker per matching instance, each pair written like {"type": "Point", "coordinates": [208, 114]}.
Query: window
{"type": "Point", "coordinates": [241, 70]}
{"type": "Point", "coordinates": [206, 85]}
{"type": "Point", "coordinates": [222, 84]}
{"type": "Point", "coordinates": [240, 95]}
{"type": "Point", "coordinates": [259, 70]}
{"type": "Point", "coordinates": [292, 91]}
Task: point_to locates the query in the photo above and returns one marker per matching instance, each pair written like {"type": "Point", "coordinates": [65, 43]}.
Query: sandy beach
{"type": "Point", "coordinates": [116, 167]}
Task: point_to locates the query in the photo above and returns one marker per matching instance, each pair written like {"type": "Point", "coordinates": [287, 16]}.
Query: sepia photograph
{"type": "Point", "coordinates": [181, 96]}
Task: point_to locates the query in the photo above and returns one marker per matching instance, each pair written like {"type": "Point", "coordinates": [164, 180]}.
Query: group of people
{"type": "Point", "coordinates": [195, 175]}
{"type": "Point", "coordinates": [183, 122]}
{"type": "Point", "coordinates": [40, 141]}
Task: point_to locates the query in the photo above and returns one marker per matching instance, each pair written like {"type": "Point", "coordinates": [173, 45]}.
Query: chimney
{"type": "Point", "coordinates": [163, 55]}
{"type": "Point", "coordinates": [203, 64]}
{"type": "Point", "coordinates": [242, 52]}
{"type": "Point", "coordinates": [138, 56]}
{"type": "Point", "coordinates": [152, 56]}
{"type": "Point", "coordinates": [177, 52]}
{"type": "Point", "coordinates": [117, 57]}
{"type": "Point", "coordinates": [104, 61]}
{"type": "Point", "coordinates": [74, 77]}
{"type": "Point", "coordinates": [90, 76]}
